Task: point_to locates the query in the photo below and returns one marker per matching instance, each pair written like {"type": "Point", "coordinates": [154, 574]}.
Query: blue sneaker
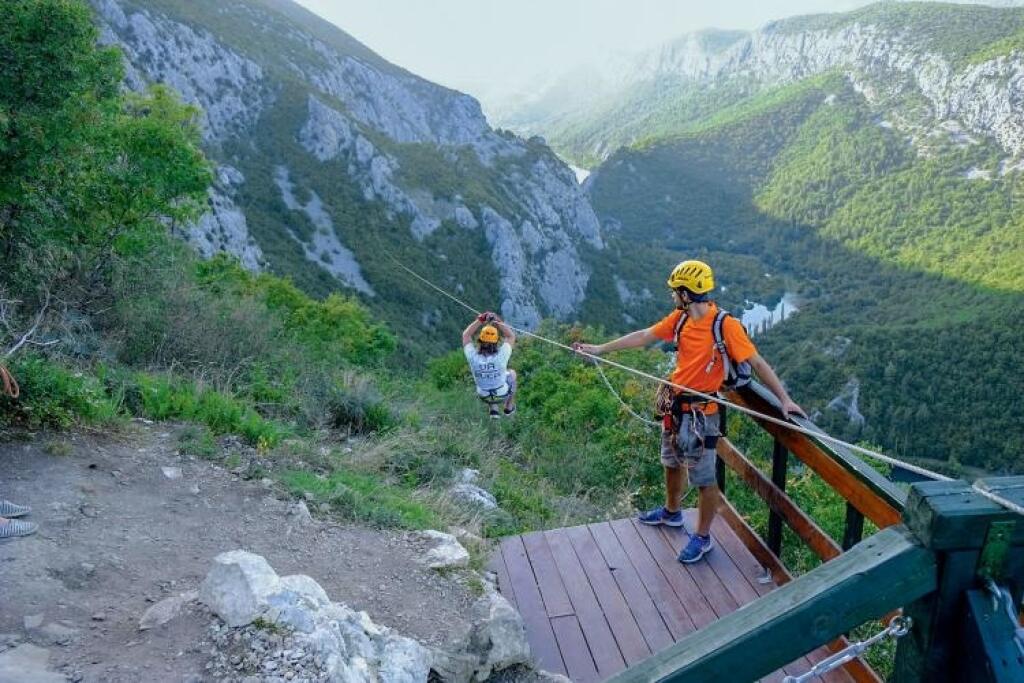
{"type": "Point", "coordinates": [662, 516]}
{"type": "Point", "coordinates": [698, 547]}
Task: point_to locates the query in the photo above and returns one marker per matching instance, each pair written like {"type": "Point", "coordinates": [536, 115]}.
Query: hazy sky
{"type": "Point", "coordinates": [477, 45]}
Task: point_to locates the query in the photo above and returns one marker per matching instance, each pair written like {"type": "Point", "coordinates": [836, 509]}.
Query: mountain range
{"type": "Point", "coordinates": [926, 62]}
{"type": "Point", "coordinates": [868, 164]}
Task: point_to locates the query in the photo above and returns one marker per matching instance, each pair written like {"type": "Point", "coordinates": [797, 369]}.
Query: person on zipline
{"type": "Point", "coordinates": [711, 346]}
{"type": "Point", "coordinates": [488, 360]}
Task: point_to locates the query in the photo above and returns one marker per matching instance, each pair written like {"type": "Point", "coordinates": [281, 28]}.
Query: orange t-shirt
{"type": "Point", "coordinates": [698, 364]}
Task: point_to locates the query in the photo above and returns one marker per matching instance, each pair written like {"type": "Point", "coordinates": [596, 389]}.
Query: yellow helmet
{"type": "Point", "coordinates": [695, 276]}
{"type": "Point", "coordinates": [489, 335]}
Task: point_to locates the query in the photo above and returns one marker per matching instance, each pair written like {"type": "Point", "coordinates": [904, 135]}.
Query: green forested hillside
{"type": "Point", "coordinates": [957, 31]}
{"type": "Point", "coordinates": [913, 262]}
{"type": "Point", "coordinates": [665, 94]}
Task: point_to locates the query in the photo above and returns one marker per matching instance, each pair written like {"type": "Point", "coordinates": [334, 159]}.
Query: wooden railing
{"type": "Point", "coordinates": [866, 492]}
{"type": "Point", "coordinates": [924, 558]}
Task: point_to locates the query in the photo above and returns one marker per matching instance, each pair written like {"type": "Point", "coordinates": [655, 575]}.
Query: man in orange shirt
{"type": "Point", "coordinates": [688, 449]}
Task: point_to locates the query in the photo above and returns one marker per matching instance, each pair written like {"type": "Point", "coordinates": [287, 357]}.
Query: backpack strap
{"type": "Point", "coordinates": [716, 330]}
{"type": "Point", "coordinates": [736, 374]}
{"type": "Point", "coordinates": [679, 327]}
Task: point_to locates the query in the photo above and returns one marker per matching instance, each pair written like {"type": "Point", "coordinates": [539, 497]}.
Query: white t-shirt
{"type": "Point", "coordinates": [489, 371]}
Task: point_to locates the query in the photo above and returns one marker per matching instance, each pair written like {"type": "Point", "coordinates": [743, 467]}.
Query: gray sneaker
{"type": "Point", "coordinates": [13, 528]}
{"type": "Point", "coordinates": [11, 510]}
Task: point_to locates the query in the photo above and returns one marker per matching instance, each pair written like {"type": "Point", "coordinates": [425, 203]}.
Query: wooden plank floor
{"type": "Point", "coordinates": [601, 597]}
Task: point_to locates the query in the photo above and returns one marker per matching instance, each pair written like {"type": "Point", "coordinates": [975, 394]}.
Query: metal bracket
{"type": "Point", "coordinates": [992, 562]}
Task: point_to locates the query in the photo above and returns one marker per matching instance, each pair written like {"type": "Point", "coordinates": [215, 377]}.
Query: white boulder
{"type": "Point", "coordinates": [445, 553]}
{"type": "Point", "coordinates": [237, 587]}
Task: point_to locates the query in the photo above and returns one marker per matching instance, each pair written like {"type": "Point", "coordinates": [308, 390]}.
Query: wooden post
{"type": "Point", "coordinates": [992, 651]}
{"type": "Point", "coordinates": [953, 521]}
{"type": "Point", "coordinates": [780, 466]}
{"type": "Point", "coordinates": [853, 530]}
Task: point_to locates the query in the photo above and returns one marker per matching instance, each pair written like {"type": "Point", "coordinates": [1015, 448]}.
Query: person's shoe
{"type": "Point", "coordinates": [11, 510]}
{"type": "Point", "coordinates": [698, 547]}
{"type": "Point", "coordinates": [495, 415]}
{"type": "Point", "coordinates": [662, 516]}
{"type": "Point", "coordinates": [510, 411]}
{"type": "Point", "coordinates": [15, 527]}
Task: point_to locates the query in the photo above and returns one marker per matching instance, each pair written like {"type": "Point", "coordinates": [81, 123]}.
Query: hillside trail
{"type": "Point", "coordinates": [117, 534]}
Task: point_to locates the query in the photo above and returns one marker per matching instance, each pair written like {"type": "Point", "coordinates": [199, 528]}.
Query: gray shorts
{"type": "Point", "coordinates": [504, 391]}
{"type": "Point", "coordinates": [689, 450]}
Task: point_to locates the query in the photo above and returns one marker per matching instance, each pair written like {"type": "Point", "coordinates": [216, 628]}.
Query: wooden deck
{"type": "Point", "coordinates": [601, 597]}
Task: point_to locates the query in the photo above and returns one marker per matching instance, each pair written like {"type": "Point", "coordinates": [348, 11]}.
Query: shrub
{"type": "Point", "coordinates": [55, 396]}
{"type": "Point", "coordinates": [449, 370]}
{"type": "Point", "coordinates": [165, 397]}
{"type": "Point", "coordinates": [347, 401]}
{"type": "Point", "coordinates": [336, 329]}
{"type": "Point", "coordinates": [197, 440]}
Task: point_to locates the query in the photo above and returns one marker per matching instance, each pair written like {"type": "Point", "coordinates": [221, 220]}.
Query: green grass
{"type": "Point", "coordinates": [163, 397]}
{"type": "Point", "coordinates": [364, 498]}
{"type": "Point", "coordinates": [57, 396]}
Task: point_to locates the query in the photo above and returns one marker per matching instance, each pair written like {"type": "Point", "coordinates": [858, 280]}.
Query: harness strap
{"type": "Point", "coordinates": [494, 397]}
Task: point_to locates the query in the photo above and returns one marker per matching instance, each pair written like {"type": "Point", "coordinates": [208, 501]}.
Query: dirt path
{"type": "Point", "coordinates": [116, 534]}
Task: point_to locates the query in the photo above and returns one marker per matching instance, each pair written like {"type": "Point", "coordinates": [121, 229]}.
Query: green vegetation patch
{"type": "Point", "coordinates": [952, 30]}
{"type": "Point", "coordinates": [363, 498]}
{"type": "Point", "coordinates": [55, 396]}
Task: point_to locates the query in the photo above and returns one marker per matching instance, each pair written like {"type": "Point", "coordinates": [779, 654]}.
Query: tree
{"type": "Point", "coordinates": [89, 176]}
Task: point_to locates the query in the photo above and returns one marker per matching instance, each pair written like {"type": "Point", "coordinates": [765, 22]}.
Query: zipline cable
{"type": "Point", "coordinates": [818, 434]}
{"type": "Point", "coordinates": [629, 409]}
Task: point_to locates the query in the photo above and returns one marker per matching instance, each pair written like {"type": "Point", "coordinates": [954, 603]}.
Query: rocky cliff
{"type": "Point", "coordinates": [930, 69]}
{"type": "Point", "coordinates": [313, 133]}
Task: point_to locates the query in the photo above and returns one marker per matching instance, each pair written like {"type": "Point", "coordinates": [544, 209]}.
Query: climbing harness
{"type": "Point", "coordinates": [897, 628]}
{"type": "Point", "coordinates": [816, 433]}
{"type": "Point", "coordinates": [10, 386]}
{"type": "Point", "coordinates": [493, 398]}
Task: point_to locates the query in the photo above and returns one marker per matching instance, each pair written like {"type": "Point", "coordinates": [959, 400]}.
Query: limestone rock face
{"type": "Point", "coordinates": [340, 105]}
{"type": "Point", "coordinates": [847, 400]}
{"type": "Point", "coordinates": [223, 228]}
{"type": "Point", "coordinates": [227, 86]}
{"type": "Point", "coordinates": [323, 248]}
{"type": "Point", "coordinates": [890, 62]}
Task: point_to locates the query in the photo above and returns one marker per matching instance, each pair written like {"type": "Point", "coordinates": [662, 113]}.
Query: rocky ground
{"type": "Point", "coordinates": [126, 522]}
